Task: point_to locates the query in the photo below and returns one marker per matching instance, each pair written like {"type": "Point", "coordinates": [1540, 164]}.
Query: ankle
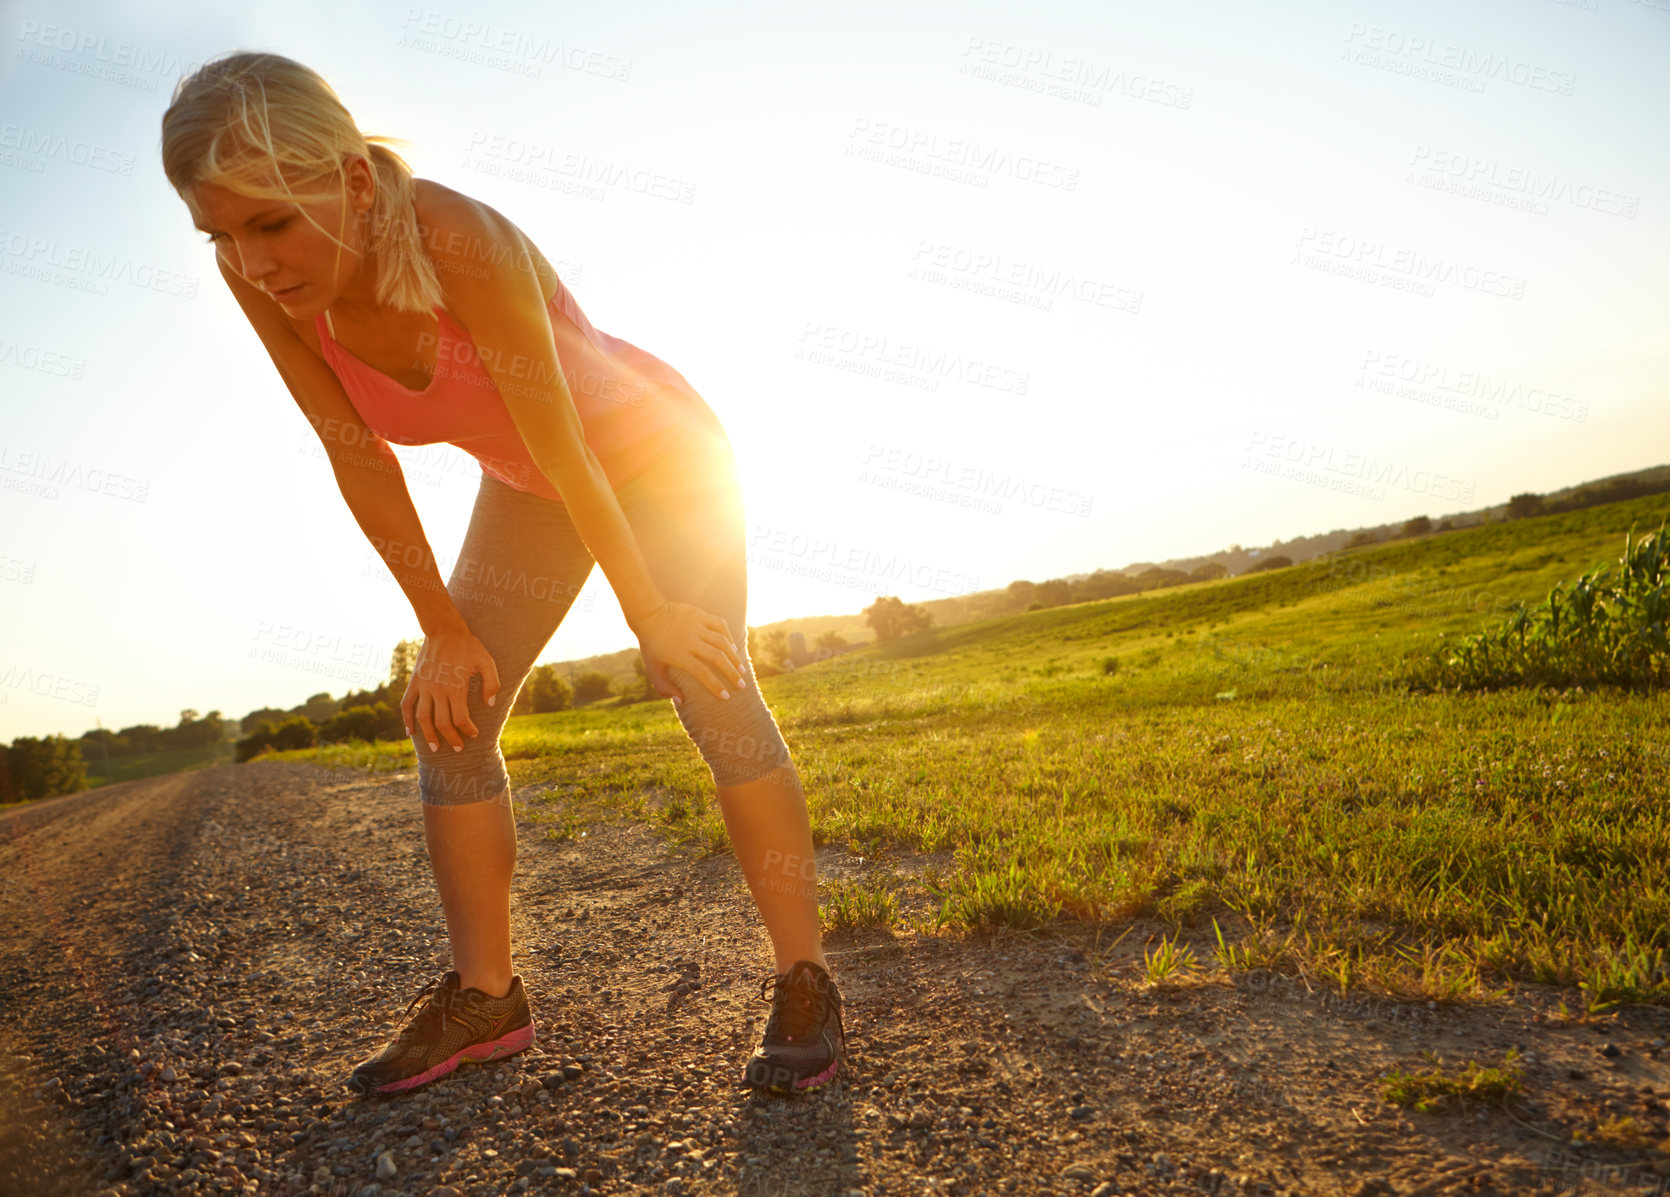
{"type": "Point", "coordinates": [494, 985]}
{"type": "Point", "coordinates": [817, 958]}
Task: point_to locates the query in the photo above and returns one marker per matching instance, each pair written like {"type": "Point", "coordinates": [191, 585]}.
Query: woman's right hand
{"type": "Point", "coordinates": [695, 640]}
{"type": "Point", "coordinates": [438, 696]}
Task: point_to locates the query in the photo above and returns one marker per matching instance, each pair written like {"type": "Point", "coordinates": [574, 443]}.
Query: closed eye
{"type": "Point", "coordinates": [266, 228]}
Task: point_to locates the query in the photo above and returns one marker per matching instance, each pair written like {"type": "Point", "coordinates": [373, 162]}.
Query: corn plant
{"type": "Point", "coordinates": [1607, 629]}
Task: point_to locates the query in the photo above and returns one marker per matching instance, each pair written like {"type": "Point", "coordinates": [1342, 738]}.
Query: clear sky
{"type": "Point", "coordinates": [982, 291]}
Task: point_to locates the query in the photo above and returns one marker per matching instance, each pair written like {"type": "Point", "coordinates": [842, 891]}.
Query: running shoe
{"type": "Point", "coordinates": [456, 1025]}
{"type": "Point", "coordinates": [804, 1039]}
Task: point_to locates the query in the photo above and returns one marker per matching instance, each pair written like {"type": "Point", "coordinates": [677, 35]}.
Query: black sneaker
{"type": "Point", "coordinates": [457, 1025]}
{"type": "Point", "coordinates": [804, 1038]}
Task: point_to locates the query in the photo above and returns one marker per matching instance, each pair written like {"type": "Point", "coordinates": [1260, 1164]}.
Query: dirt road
{"type": "Point", "coordinates": [191, 965]}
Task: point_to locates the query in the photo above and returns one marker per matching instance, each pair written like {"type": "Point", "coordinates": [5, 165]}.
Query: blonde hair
{"type": "Point", "coordinates": [241, 121]}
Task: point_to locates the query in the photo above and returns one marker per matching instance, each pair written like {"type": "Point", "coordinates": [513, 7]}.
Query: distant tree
{"type": "Point", "coordinates": [402, 663]}
{"type": "Point", "coordinates": [215, 729]}
{"type": "Point", "coordinates": [1419, 526]}
{"type": "Point", "coordinates": [1446, 526]}
{"type": "Point", "coordinates": [1104, 583]}
{"type": "Point", "coordinates": [298, 731]}
{"type": "Point", "coordinates": [1208, 570]}
{"type": "Point", "coordinates": [1057, 592]}
{"type": "Point", "coordinates": [756, 655]}
{"type": "Point", "coordinates": [645, 690]}
{"type": "Point", "coordinates": [101, 739]}
{"type": "Point", "coordinates": [260, 737]}
{"type": "Point", "coordinates": [1613, 490]}
{"type": "Point", "coordinates": [891, 618]}
{"type": "Point", "coordinates": [193, 732]}
{"type": "Point", "coordinates": [254, 719]}
{"type": "Point", "coordinates": [591, 686]}
{"type": "Point", "coordinates": [553, 692]}
{"type": "Point", "coordinates": [141, 737]}
{"type": "Point", "coordinates": [43, 767]}
{"type": "Point", "coordinates": [1363, 538]}
{"type": "Point", "coordinates": [1524, 506]}
{"type": "Point", "coordinates": [832, 641]}
{"type": "Point", "coordinates": [256, 742]}
{"type": "Point", "coordinates": [370, 698]}
{"type": "Point", "coordinates": [379, 721]}
{"type": "Point", "coordinates": [1276, 562]}
{"type": "Point", "coordinates": [543, 691]}
{"type": "Point", "coordinates": [318, 707]}
{"type": "Point", "coordinates": [773, 648]}
{"type": "Point", "coordinates": [917, 619]}
{"type": "Point", "coordinates": [1155, 578]}
{"type": "Point", "coordinates": [1021, 592]}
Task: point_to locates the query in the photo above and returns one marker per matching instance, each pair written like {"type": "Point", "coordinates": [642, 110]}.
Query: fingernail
{"type": "Point", "coordinates": [724, 694]}
{"type": "Point", "coordinates": [434, 747]}
{"type": "Point", "coordinates": [458, 748]}
{"type": "Point", "coordinates": [490, 700]}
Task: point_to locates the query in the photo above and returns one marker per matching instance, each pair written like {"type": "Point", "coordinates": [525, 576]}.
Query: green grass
{"type": "Point", "coordinates": [859, 904]}
{"type": "Point", "coordinates": [1171, 958]}
{"type": "Point", "coordinates": [1251, 761]}
{"type": "Point", "coordinates": [153, 764]}
{"type": "Point", "coordinates": [1430, 1090]}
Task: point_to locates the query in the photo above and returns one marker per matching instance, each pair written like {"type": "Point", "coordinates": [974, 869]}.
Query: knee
{"type": "Point", "coordinates": [736, 736]}
{"type": "Point", "coordinates": [476, 754]}
{"type": "Point", "coordinates": [476, 774]}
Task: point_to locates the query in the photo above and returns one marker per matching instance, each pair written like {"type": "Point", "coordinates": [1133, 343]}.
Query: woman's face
{"type": "Point", "coordinates": [271, 244]}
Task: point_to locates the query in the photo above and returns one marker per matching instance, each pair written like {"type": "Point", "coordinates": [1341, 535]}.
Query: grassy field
{"type": "Point", "coordinates": [1234, 758]}
{"type": "Point", "coordinates": [152, 764]}
{"type": "Point", "coordinates": [147, 764]}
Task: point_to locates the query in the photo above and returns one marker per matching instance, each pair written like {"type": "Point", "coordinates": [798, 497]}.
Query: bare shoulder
{"type": "Point", "coordinates": [470, 241]}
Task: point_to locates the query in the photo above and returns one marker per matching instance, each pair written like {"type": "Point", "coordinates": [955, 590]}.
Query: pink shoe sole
{"type": "Point", "coordinates": [491, 1049]}
{"type": "Point", "coordinates": [806, 1084]}
{"type": "Point", "coordinates": [813, 1082]}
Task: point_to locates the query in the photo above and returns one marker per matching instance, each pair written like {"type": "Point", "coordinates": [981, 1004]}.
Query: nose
{"type": "Point", "coordinates": [251, 263]}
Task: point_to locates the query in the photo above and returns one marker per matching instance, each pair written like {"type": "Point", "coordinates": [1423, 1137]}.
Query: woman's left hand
{"type": "Point", "coordinates": [695, 640]}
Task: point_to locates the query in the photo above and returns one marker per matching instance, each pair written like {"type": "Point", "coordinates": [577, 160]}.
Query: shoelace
{"type": "Point", "coordinates": [447, 1002]}
{"type": "Point", "coordinates": [796, 1010]}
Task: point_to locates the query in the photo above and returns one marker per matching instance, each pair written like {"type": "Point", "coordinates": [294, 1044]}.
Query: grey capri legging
{"type": "Point", "coordinates": [520, 568]}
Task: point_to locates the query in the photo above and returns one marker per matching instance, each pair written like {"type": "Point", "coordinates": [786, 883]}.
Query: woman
{"type": "Point", "coordinates": [396, 309]}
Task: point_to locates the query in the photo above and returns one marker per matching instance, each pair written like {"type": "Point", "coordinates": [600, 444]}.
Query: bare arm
{"type": "Point", "coordinates": [504, 310]}
{"type": "Point", "coordinates": [367, 472]}
{"type": "Point", "coordinates": [382, 506]}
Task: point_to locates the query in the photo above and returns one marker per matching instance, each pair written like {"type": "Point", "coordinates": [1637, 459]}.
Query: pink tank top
{"type": "Point", "coordinates": [633, 406]}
